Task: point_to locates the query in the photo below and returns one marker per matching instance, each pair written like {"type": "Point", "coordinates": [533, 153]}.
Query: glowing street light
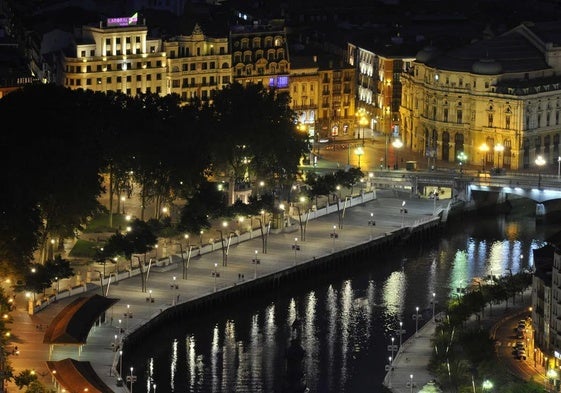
{"type": "Point", "coordinates": [359, 151]}
{"type": "Point", "coordinates": [540, 162]}
{"type": "Point", "coordinates": [397, 144]}
{"type": "Point", "coordinates": [462, 158]}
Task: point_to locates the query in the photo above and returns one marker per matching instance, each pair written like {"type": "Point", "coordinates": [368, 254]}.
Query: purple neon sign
{"type": "Point", "coordinates": [123, 21]}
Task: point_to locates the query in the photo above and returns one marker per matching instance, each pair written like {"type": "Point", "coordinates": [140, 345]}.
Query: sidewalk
{"type": "Point", "coordinates": [412, 359]}
{"type": "Point", "coordinates": [28, 329]}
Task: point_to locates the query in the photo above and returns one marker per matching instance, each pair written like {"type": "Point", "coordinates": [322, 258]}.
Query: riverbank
{"type": "Point", "coordinates": [207, 280]}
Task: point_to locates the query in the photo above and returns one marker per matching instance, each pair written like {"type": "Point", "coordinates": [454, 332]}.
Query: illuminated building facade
{"type": "Point", "coordinates": [197, 65]}
{"type": "Point", "coordinates": [498, 100]}
{"type": "Point", "coordinates": [378, 94]}
{"type": "Point", "coordinates": [116, 55]}
{"type": "Point", "coordinates": [260, 54]}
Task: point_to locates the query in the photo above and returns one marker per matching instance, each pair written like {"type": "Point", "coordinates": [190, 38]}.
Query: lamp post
{"type": "Point", "coordinates": [397, 144]}
{"type": "Point", "coordinates": [403, 211]}
{"type": "Point", "coordinates": [371, 223]}
{"type": "Point", "coordinates": [334, 235]}
{"type": "Point", "coordinates": [296, 248]}
{"type": "Point", "coordinates": [121, 365]}
{"type": "Point", "coordinates": [559, 168]}
{"type": "Point", "coordinates": [484, 149]}
{"type": "Point", "coordinates": [499, 148]}
{"type": "Point", "coordinates": [462, 157]}
{"type": "Point", "coordinates": [255, 262]}
{"type": "Point", "coordinates": [401, 331]}
{"type": "Point", "coordinates": [132, 379]}
{"type": "Point", "coordinates": [411, 383]}
{"type": "Point", "coordinates": [215, 274]}
{"type": "Point", "coordinates": [123, 203]}
{"type": "Point", "coordinates": [433, 304]}
{"type": "Point", "coordinates": [540, 162]}
{"type": "Point", "coordinates": [359, 151]}
{"type": "Point", "coordinates": [416, 320]}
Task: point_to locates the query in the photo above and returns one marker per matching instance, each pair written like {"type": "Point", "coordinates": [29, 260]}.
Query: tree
{"type": "Point", "coordinates": [139, 240]}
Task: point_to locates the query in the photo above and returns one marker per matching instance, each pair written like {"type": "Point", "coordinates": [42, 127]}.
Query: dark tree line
{"type": "Point", "coordinates": [62, 149]}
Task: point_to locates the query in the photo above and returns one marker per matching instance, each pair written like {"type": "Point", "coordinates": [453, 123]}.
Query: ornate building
{"type": "Point", "coordinates": [497, 101]}
{"type": "Point", "coordinates": [197, 65]}
{"type": "Point", "coordinates": [260, 54]}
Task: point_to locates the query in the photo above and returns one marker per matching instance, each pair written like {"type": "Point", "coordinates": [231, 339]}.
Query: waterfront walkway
{"type": "Point", "coordinates": [166, 287]}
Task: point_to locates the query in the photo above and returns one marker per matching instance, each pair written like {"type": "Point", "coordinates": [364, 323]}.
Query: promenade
{"type": "Point", "coordinates": [167, 287]}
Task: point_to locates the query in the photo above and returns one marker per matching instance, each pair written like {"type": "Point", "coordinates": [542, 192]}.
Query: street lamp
{"type": "Point", "coordinates": [363, 122]}
{"type": "Point", "coordinates": [484, 149]}
{"type": "Point", "coordinates": [371, 223]}
{"type": "Point", "coordinates": [433, 304]}
{"type": "Point", "coordinates": [416, 320]}
{"type": "Point", "coordinates": [462, 157]}
{"type": "Point", "coordinates": [121, 365]}
{"type": "Point", "coordinates": [401, 331]}
{"type": "Point", "coordinates": [540, 162]}
{"type": "Point", "coordinates": [359, 151]}
{"type": "Point", "coordinates": [123, 203]}
{"type": "Point", "coordinates": [411, 383]}
{"type": "Point", "coordinates": [397, 144]}
{"type": "Point", "coordinates": [334, 235]}
{"type": "Point", "coordinates": [559, 168]}
{"type": "Point", "coordinates": [215, 274]}
{"type": "Point", "coordinates": [255, 262]}
{"type": "Point", "coordinates": [403, 211]}
{"type": "Point", "coordinates": [499, 148]}
{"type": "Point", "coordinates": [131, 379]}
{"type": "Point", "coordinates": [296, 248]}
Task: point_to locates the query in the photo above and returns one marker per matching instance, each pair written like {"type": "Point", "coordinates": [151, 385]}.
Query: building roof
{"type": "Point", "coordinates": [510, 52]}
{"type": "Point", "coordinates": [72, 325]}
{"type": "Point", "coordinates": [74, 375]}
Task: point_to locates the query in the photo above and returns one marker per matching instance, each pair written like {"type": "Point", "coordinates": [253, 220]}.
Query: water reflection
{"type": "Point", "coordinates": [346, 322]}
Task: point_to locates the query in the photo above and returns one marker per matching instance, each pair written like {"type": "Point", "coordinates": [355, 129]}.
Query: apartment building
{"type": "Point", "coordinates": [260, 54]}
{"type": "Point", "coordinates": [198, 65]}
{"type": "Point", "coordinates": [378, 83]}
{"type": "Point", "coordinates": [116, 55]}
{"type": "Point", "coordinates": [497, 101]}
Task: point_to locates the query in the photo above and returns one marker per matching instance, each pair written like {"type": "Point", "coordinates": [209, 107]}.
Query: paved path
{"type": "Point", "coordinates": [28, 329]}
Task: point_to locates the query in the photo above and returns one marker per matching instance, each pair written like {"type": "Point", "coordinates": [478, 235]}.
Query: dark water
{"type": "Point", "coordinates": [347, 320]}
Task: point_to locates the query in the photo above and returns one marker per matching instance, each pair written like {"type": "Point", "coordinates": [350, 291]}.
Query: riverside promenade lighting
{"type": "Point", "coordinates": [255, 262]}
{"type": "Point", "coordinates": [540, 161]}
{"type": "Point", "coordinates": [296, 248]}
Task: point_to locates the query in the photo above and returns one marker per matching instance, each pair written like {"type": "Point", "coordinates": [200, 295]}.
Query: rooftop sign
{"type": "Point", "coordinates": [123, 21]}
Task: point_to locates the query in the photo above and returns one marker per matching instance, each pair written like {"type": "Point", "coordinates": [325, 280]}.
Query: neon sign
{"type": "Point", "coordinates": [123, 21]}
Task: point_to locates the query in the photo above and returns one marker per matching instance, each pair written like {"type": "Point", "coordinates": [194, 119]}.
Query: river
{"type": "Point", "coordinates": [347, 321]}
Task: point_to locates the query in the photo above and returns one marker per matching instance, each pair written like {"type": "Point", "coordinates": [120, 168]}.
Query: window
{"type": "Point", "coordinates": [149, 77]}
{"type": "Point", "coordinates": [158, 63]}
{"type": "Point", "coordinates": [92, 53]}
{"type": "Point", "coordinates": [183, 67]}
{"type": "Point", "coordinates": [119, 79]}
{"type": "Point", "coordinates": [204, 65]}
{"type": "Point", "coordinates": [108, 41]}
{"type": "Point", "coordinates": [138, 78]}
{"type": "Point", "coordinates": [490, 120]}
{"type": "Point", "coordinates": [88, 82]}
{"type": "Point", "coordinates": [128, 40]}
{"type": "Point", "coordinates": [445, 115]}
{"type": "Point", "coordinates": [212, 65]}
{"type": "Point", "coordinates": [225, 79]}
{"type": "Point", "coordinates": [158, 77]}
{"type": "Point", "coordinates": [459, 116]}
{"type": "Point", "coordinates": [118, 40]}
{"type": "Point", "coordinates": [129, 78]}
{"type": "Point", "coordinates": [98, 68]}
{"type": "Point", "coordinates": [192, 67]}
{"type": "Point", "coordinates": [108, 80]}
{"type": "Point", "coordinates": [137, 39]}
{"type": "Point", "coordinates": [83, 53]}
